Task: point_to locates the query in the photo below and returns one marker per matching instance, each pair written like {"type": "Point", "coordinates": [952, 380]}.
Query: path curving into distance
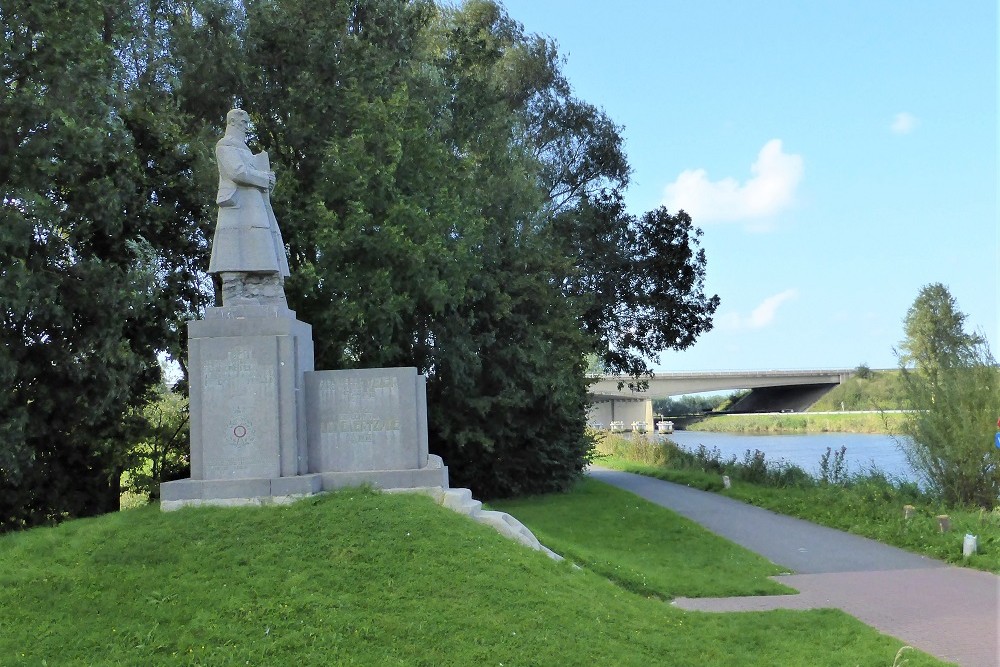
{"type": "Point", "coordinates": [950, 612]}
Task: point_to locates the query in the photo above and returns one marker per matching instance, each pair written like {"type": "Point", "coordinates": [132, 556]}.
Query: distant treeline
{"type": "Point", "coordinates": [696, 403]}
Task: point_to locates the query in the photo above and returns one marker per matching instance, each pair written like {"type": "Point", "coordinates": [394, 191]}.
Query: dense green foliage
{"type": "Point", "coordinates": [85, 300]}
{"type": "Point", "coordinates": [387, 579]}
{"type": "Point", "coordinates": [954, 384]}
{"type": "Point", "coordinates": [106, 192]}
{"type": "Point", "coordinates": [447, 203]}
{"type": "Point", "coordinates": [867, 503]}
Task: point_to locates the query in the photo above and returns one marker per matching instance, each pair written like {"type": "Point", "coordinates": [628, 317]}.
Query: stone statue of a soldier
{"type": "Point", "coordinates": [247, 251]}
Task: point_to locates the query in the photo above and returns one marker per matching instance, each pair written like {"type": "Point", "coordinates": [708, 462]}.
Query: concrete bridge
{"type": "Point", "coordinates": [611, 403]}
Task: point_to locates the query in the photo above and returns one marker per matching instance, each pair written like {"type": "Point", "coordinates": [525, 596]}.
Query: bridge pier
{"type": "Point", "coordinates": [627, 410]}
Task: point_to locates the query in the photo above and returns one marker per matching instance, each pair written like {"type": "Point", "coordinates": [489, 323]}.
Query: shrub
{"type": "Point", "coordinates": [161, 452]}
{"type": "Point", "coordinates": [950, 441]}
{"type": "Point", "coordinates": [832, 468]}
{"type": "Point", "coordinates": [954, 386]}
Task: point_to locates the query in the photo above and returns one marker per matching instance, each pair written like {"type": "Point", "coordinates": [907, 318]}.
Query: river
{"type": "Point", "coordinates": [863, 450]}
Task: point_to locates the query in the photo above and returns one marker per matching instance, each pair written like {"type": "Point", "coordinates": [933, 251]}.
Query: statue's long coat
{"type": "Point", "coordinates": [247, 238]}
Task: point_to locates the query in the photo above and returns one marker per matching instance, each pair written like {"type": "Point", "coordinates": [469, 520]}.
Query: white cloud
{"type": "Point", "coordinates": [771, 189]}
{"type": "Point", "coordinates": [904, 123]}
{"type": "Point", "coordinates": [759, 317]}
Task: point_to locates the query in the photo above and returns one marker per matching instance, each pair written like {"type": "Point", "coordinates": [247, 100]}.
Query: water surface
{"type": "Point", "coordinates": [805, 450]}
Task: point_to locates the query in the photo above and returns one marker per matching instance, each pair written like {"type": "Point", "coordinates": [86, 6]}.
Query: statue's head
{"type": "Point", "coordinates": [239, 120]}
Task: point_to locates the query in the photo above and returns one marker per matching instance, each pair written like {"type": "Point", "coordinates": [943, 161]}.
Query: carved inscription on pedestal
{"type": "Point", "coordinates": [362, 420]}
{"type": "Point", "coordinates": [240, 417]}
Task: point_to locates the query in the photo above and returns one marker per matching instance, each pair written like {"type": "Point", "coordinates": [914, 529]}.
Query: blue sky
{"type": "Point", "coordinates": [838, 154]}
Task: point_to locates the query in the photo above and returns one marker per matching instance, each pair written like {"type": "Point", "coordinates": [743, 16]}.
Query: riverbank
{"type": "Point", "coordinates": [799, 422]}
{"type": "Point", "coordinates": [867, 503]}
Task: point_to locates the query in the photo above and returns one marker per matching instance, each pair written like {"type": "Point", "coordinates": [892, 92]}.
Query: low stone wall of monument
{"type": "Point", "coordinates": [266, 427]}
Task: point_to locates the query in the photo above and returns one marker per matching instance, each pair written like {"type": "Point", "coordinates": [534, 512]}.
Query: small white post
{"type": "Point", "coordinates": [969, 545]}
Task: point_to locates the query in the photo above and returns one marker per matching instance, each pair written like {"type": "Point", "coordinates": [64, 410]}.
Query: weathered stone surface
{"type": "Point", "coordinates": [366, 420]}
{"type": "Point", "coordinates": [299, 485]}
{"type": "Point", "coordinates": [180, 491]}
{"type": "Point", "coordinates": [271, 311]}
{"type": "Point", "coordinates": [247, 416]}
{"type": "Point", "coordinates": [195, 489]}
{"type": "Point", "coordinates": [461, 501]}
{"type": "Point", "coordinates": [434, 474]}
{"type": "Point", "coordinates": [247, 238]}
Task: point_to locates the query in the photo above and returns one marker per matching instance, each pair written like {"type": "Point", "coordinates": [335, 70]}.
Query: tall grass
{"type": "Point", "coordinates": [753, 467]}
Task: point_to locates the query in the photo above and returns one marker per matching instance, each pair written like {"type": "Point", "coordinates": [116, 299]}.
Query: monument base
{"type": "Point", "coordinates": [282, 490]}
{"type": "Point", "coordinates": [266, 428]}
{"type": "Point", "coordinates": [435, 474]}
{"type": "Point", "coordinates": [247, 367]}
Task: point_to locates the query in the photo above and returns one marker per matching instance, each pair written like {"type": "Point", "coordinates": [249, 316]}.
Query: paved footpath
{"type": "Point", "coordinates": [949, 612]}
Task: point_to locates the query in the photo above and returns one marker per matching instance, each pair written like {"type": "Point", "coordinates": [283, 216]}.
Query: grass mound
{"type": "Point", "coordinates": [879, 390]}
{"type": "Point", "coordinates": [358, 578]}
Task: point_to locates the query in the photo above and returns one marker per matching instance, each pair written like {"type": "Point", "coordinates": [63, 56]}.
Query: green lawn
{"type": "Point", "coordinates": [358, 578]}
{"type": "Point", "coordinates": [623, 537]}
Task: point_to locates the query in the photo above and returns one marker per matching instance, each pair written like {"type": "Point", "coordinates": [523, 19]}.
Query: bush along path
{"type": "Point", "coordinates": [949, 612]}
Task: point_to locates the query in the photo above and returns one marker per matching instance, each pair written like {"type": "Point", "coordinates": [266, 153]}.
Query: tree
{"type": "Point", "coordinates": [180, 65]}
{"type": "Point", "coordinates": [863, 372]}
{"type": "Point", "coordinates": [412, 207]}
{"type": "Point", "coordinates": [75, 279]}
{"type": "Point", "coordinates": [102, 233]}
{"type": "Point", "coordinates": [641, 281]}
{"type": "Point", "coordinates": [953, 383]}
{"type": "Point", "coordinates": [442, 193]}
{"type": "Point", "coordinates": [160, 451]}
{"type": "Point", "coordinates": [934, 333]}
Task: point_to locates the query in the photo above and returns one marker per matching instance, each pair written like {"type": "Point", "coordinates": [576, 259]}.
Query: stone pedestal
{"type": "Point", "coordinates": [265, 427]}
{"type": "Point", "coordinates": [370, 426]}
{"type": "Point", "coordinates": [246, 367]}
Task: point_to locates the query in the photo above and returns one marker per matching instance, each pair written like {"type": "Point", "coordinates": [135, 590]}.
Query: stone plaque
{"type": "Point", "coordinates": [368, 419]}
{"type": "Point", "coordinates": [238, 420]}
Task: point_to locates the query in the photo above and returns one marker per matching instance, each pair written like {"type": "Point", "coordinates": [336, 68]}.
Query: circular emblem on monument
{"type": "Point", "coordinates": [240, 431]}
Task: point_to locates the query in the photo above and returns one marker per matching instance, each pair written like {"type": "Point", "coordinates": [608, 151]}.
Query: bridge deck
{"type": "Point", "coordinates": [662, 385]}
